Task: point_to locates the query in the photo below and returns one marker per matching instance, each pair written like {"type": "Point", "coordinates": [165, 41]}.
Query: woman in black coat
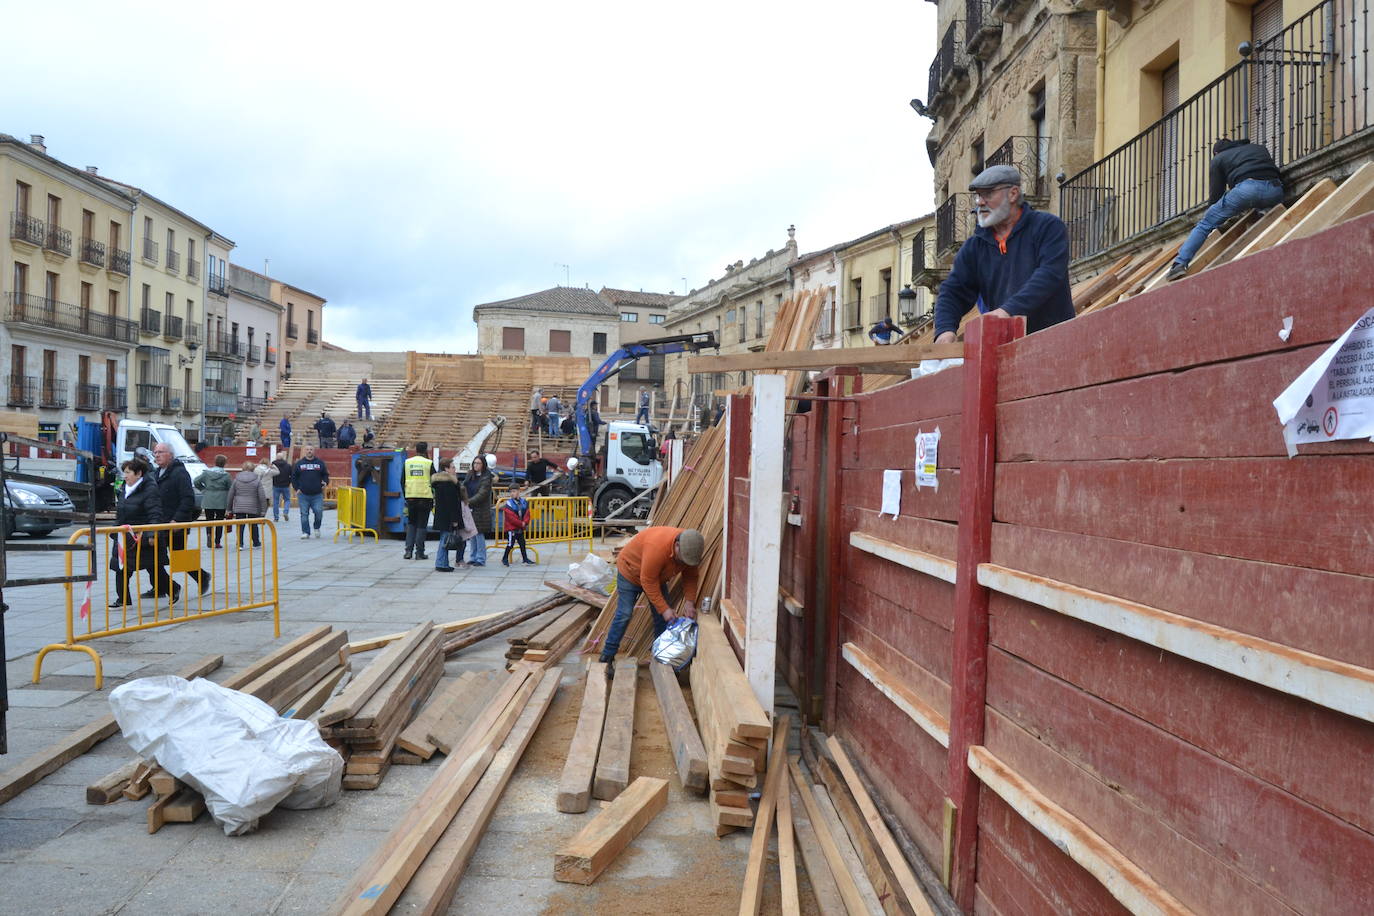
{"type": "Point", "coordinates": [478, 485]}
{"type": "Point", "coordinates": [449, 497]}
{"type": "Point", "coordinates": [139, 503]}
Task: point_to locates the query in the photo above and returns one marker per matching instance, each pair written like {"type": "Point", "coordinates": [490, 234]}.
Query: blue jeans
{"type": "Point", "coordinates": [306, 503]}
{"type": "Point", "coordinates": [478, 543]}
{"type": "Point", "coordinates": [281, 496]}
{"type": "Point", "coordinates": [1250, 194]}
{"type": "Point", "coordinates": [364, 407]}
{"type": "Point", "coordinates": [553, 425]}
{"type": "Point", "coordinates": [447, 540]}
{"type": "Point", "coordinates": [644, 413]}
{"type": "Point", "coordinates": [626, 594]}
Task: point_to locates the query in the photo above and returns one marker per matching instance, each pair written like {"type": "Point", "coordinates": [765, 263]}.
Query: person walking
{"type": "Point", "coordinates": [310, 476]}
{"type": "Point", "coordinates": [419, 496]}
{"type": "Point", "coordinates": [281, 489]}
{"type": "Point", "coordinates": [515, 518]}
{"type": "Point", "coordinates": [449, 497]}
{"type": "Point", "coordinates": [347, 435]}
{"type": "Point", "coordinates": [138, 502]}
{"type": "Point", "coordinates": [215, 484]}
{"type": "Point", "coordinates": [265, 473]}
{"type": "Point", "coordinates": [478, 484]}
{"type": "Point", "coordinates": [247, 501]}
{"type": "Point", "coordinates": [536, 402]}
{"type": "Point", "coordinates": [363, 395]}
{"type": "Point", "coordinates": [178, 498]}
{"type": "Point", "coordinates": [645, 567]}
{"type": "Point", "coordinates": [284, 430]}
{"type": "Point", "coordinates": [1255, 184]}
{"type": "Point", "coordinates": [642, 413]}
{"type": "Point", "coordinates": [555, 408]}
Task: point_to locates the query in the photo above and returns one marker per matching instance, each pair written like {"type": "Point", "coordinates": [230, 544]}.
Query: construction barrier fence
{"type": "Point", "coordinates": [352, 514]}
{"type": "Point", "coordinates": [194, 570]}
{"type": "Point", "coordinates": [553, 520]}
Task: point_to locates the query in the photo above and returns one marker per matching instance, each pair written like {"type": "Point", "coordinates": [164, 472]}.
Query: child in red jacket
{"type": "Point", "coordinates": [515, 518]}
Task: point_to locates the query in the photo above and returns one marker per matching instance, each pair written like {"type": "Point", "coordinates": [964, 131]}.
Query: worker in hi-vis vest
{"type": "Point", "coordinates": [419, 499]}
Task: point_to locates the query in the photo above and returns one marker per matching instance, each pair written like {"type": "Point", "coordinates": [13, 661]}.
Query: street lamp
{"type": "Point", "coordinates": [906, 303]}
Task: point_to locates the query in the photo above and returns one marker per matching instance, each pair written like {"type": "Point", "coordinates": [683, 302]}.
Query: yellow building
{"type": "Point", "coordinates": [875, 268]}
{"type": "Point", "coordinates": [66, 333]}
{"type": "Point", "coordinates": [302, 321]}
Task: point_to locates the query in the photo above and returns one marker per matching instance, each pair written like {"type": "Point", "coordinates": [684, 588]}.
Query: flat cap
{"type": "Point", "coordinates": [690, 546]}
{"type": "Point", "coordinates": [995, 176]}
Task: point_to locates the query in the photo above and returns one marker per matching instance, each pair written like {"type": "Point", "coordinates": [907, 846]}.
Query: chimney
{"type": "Point", "coordinates": [93, 170]}
{"type": "Point", "coordinates": [36, 142]}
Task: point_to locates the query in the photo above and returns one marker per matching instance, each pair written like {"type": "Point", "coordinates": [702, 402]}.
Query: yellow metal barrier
{"type": "Point", "coordinates": [238, 577]}
{"type": "Point", "coordinates": [553, 519]}
{"type": "Point", "coordinates": [352, 514]}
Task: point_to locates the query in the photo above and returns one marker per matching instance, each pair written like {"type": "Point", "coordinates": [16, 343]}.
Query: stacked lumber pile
{"type": "Point", "coordinates": [445, 721]}
{"type": "Point", "coordinates": [558, 631]}
{"type": "Point", "coordinates": [458, 641]}
{"type": "Point", "coordinates": [734, 728]}
{"type": "Point", "coordinates": [364, 721]}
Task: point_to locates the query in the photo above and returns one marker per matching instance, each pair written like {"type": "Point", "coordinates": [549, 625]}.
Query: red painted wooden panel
{"type": "Point", "coordinates": [1303, 608]}
{"type": "Point", "coordinates": [921, 664]}
{"type": "Point", "coordinates": [1195, 877]}
{"type": "Point", "coordinates": [1308, 511]}
{"type": "Point", "coordinates": [1232, 311]}
{"type": "Point", "coordinates": [1217, 411]}
{"type": "Point", "coordinates": [916, 399]}
{"type": "Point", "coordinates": [1299, 853]}
{"type": "Point", "coordinates": [934, 537]}
{"type": "Point", "coordinates": [910, 591]}
{"type": "Point", "coordinates": [1295, 745]}
{"type": "Point", "coordinates": [908, 760]}
{"type": "Point", "coordinates": [1026, 873]}
{"type": "Point", "coordinates": [982, 906]}
{"type": "Point", "coordinates": [895, 446]}
{"type": "Point", "coordinates": [864, 488]}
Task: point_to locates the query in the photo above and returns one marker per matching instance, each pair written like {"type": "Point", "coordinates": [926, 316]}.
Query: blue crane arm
{"type": "Point", "coordinates": [625, 356]}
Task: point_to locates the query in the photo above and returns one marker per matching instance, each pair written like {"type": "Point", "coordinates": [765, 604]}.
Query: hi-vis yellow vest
{"type": "Point", "coordinates": [417, 472]}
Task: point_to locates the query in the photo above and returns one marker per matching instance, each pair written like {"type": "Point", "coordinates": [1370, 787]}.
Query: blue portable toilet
{"type": "Point", "coordinates": [385, 502]}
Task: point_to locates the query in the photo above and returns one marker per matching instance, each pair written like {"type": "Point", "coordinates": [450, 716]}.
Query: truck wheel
{"type": "Point", "coordinates": [611, 499]}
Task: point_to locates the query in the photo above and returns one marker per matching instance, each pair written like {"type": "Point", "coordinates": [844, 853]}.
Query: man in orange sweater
{"type": "Point", "coordinates": [645, 566]}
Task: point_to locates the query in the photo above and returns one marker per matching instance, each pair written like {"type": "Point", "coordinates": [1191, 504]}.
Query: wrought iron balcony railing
{"type": "Point", "coordinates": [176, 398]}
{"type": "Point", "coordinates": [152, 397]}
{"type": "Point", "coordinates": [192, 333]}
{"type": "Point", "coordinates": [64, 316]}
{"type": "Point", "coordinates": [116, 398]}
{"type": "Point", "coordinates": [221, 403]}
{"type": "Point", "coordinates": [949, 69]}
{"type": "Point", "coordinates": [249, 405]}
{"type": "Point", "coordinates": [192, 269]}
{"type": "Point", "coordinates": [1299, 94]}
{"type": "Point", "coordinates": [953, 223]}
{"type": "Point", "coordinates": [983, 30]}
{"type": "Point", "coordinates": [23, 391]}
{"type": "Point", "coordinates": [171, 327]}
{"type": "Point", "coordinates": [191, 403]}
{"type": "Point", "coordinates": [825, 327]}
{"type": "Point", "coordinates": [269, 358]}
{"type": "Point", "coordinates": [254, 354]}
{"type": "Point", "coordinates": [853, 318]}
{"type": "Point", "coordinates": [292, 331]}
{"type": "Point", "coordinates": [119, 261]}
{"type": "Point", "coordinates": [223, 346]}
{"type": "Point", "coordinates": [219, 286]}
{"type": "Point", "coordinates": [52, 393]}
{"type": "Point", "coordinates": [25, 228]}
{"type": "Point", "coordinates": [313, 336]}
{"type": "Point", "coordinates": [92, 252]}
{"type": "Point", "coordinates": [58, 241]}
{"type": "Point", "coordinates": [150, 250]}
{"type": "Point", "coordinates": [1030, 156]}
{"type": "Point", "coordinates": [173, 260]}
{"type": "Point", "coordinates": [878, 306]}
{"type": "Point", "coordinates": [150, 321]}
{"type": "Point", "coordinates": [87, 397]}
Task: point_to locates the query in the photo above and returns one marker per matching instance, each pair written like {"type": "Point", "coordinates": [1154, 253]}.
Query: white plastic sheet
{"type": "Point", "coordinates": [593, 573]}
{"type": "Point", "coordinates": [233, 748]}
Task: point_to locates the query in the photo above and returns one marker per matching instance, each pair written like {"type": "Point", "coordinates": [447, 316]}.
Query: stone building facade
{"type": "Point", "coordinates": [642, 317]}
{"type": "Point", "coordinates": [876, 268]}
{"type": "Point", "coordinates": [302, 322]}
{"type": "Point", "coordinates": [254, 320]}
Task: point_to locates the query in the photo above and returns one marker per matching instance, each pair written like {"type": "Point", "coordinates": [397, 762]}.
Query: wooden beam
{"type": "Point", "coordinates": [1252, 231]}
{"type": "Point", "coordinates": [450, 729]}
{"type": "Point", "coordinates": [414, 738]}
{"type": "Point", "coordinates": [617, 735]}
{"type": "Point", "coordinates": [688, 751]}
{"type": "Point", "coordinates": [902, 355]}
{"type": "Point", "coordinates": [241, 679]}
{"type": "Point", "coordinates": [764, 559]}
{"type": "Point", "coordinates": [347, 703]}
{"type": "Point", "coordinates": [787, 851]}
{"type": "Point", "coordinates": [823, 885]}
{"type": "Point", "coordinates": [576, 591]}
{"type": "Point", "coordinates": [585, 856]}
{"type": "Point", "coordinates": [931, 721]}
{"type": "Point", "coordinates": [61, 752]}
{"type": "Point", "coordinates": [928, 563]}
{"type": "Point", "coordinates": [377, 642]}
{"type": "Point", "coordinates": [288, 671]}
{"type": "Point", "coordinates": [111, 787]}
{"type": "Point", "coordinates": [839, 869]}
{"type": "Point", "coordinates": [1294, 215]}
{"type": "Point", "coordinates": [575, 786]}
{"type": "Point", "coordinates": [1356, 192]}
{"type": "Point", "coordinates": [752, 898]}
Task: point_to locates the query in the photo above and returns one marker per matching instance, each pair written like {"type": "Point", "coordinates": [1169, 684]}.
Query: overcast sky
{"type": "Point", "coordinates": [390, 159]}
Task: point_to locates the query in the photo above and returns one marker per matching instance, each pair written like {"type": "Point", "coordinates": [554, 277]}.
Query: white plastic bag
{"type": "Point", "coordinates": [676, 645]}
{"type": "Point", "coordinates": [233, 748]}
{"type": "Point", "coordinates": [593, 573]}
{"type": "Point", "coordinates": [932, 366]}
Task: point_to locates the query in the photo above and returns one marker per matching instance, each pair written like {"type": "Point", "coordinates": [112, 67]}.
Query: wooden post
{"type": "Point", "coordinates": [765, 535]}
{"type": "Point", "coordinates": [830, 555]}
{"type": "Point", "coordinates": [736, 422]}
{"type": "Point", "coordinates": [968, 680]}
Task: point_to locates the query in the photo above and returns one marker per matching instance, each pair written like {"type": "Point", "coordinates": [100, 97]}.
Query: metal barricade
{"type": "Point", "coordinates": [352, 514]}
{"type": "Point", "coordinates": [553, 520]}
{"type": "Point", "coordinates": [238, 577]}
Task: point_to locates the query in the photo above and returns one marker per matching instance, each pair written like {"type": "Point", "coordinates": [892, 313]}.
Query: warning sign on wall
{"type": "Point", "coordinates": [1334, 397]}
{"type": "Point", "coordinates": [927, 457]}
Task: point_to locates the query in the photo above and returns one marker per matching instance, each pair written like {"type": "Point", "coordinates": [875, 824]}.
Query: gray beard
{"type": "Point", "coordinates": [995, 217]}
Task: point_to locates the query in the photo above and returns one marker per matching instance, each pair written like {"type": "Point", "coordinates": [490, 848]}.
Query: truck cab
{"type": "Point", "coordinates": [629, 456]}
{"type": "Point", "coordinates": [142, 434]}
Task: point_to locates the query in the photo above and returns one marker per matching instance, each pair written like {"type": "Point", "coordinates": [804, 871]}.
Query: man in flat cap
{"type": "Point", "coordinates": [1016, 263]}
{"type": "Point", "coordinates": [645, 567]}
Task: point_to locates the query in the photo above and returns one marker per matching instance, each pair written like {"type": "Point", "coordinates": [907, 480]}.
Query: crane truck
{"type": "Point", "coordinates": [621, 461]}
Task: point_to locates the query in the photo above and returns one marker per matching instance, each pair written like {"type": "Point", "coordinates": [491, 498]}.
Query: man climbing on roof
{"type": "Point", "coordinates": [881, 333]}
{"type": "Point", "coordinates": [1016, 262]}
{"type": "Point", "coordinates": [1255, 184]}
{"type": "Point", "coordinates": [646, 564]}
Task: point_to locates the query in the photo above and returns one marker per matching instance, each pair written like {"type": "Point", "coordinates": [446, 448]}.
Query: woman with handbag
{"type": "Point", "coordinates": [246, 500]}
{"type": "Point", "coordinates": [448, 514]}
{"type": "Point", "coordinates": [479, 490]}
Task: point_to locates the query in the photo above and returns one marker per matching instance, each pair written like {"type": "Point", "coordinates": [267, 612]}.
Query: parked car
{"type": "Point", "coordinates": [22, 500]}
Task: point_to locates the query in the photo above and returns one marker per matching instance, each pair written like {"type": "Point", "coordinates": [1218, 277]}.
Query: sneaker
{"type": "Point", "coordinates": [443, 569]}
{"type": "Point", "coordinates": [305, 537]}
{"type": "Point", "coordinates": [1176, 272]}
{"type": "Point", "coordinates": [317, 532]}
{"type": "Point", "coordinates": [408, 555]}
{"type": "Point", "coordinates": [505, 562]}
{"type": "Point", "coordinates": [286, 518]}
{"type": "Point", "coordinates": [176, 594]}
{"type": "Point", "coordinates": [205, 577]}
{"type": "Point", "coordinates": [150, 593]}
{"type": "Point", "coordinates": [610, 669]}
{"type": "Point", "coordinates": [117, 604]}
{"type": "Point", "coordinates": [422, 556]}
{"type": "Point", "coordinates": [531, 563]}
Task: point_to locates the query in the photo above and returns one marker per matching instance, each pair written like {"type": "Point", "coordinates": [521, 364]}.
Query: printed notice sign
{"type": "Point", "coordinates": [1334, 397]}
{"type": "Point", "coordinates": [892, 493]}
{"type": "Point", "coordinates": [927, 454]}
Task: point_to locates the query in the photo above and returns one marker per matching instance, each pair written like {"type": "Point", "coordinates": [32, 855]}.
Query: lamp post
{"type": "Point", "coordinates": [906, 302]}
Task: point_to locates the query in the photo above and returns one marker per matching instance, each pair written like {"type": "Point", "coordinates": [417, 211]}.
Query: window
{"type": "Point", "coordinates": [49, 367]}
{"type": "Point", "coordinates": [171, 242]}
{"type": "Point", "coordinates": [560, 341]}
{"type": "Point", "coordinates": [116, 233]}
{"type": "Point", "coordinates": [86, 296]}
{"type": "Point", "coordinates": [83, 370]}
{"type": "Point", "coordinates": [54, 211]}
{"type": "Point", "coordinates": [656, 319]}
{"type": "Point", "coordinates": [635, 446]}
{"type": "Point", "coordinates": [730, 316]}
{"type": "Point", "coordinates": [17, 354]}
{"type": "Point", "coordinates": [114, 302]}
{"type": "Point", "coordinates": [512, 338]}
{"type": "Point", "coordinates": [21, 198]}
{"type": "Point", "coordinates": [87, 224]}
{"type": "Point", "coordinates": [50, 287]}
{"type": "Point", "coordinates": [598, 342]}
{"type": "Point", "coordinates": [111, 373]}
{"type": "Point", "coordinates": [631, 317]}
{"type": "Point", "coordinates": [21, 277]}
{"type": "Point", "coordinates": [190, 311]}
{"type": "Point", "coordinates": [976, 157]}
{"type": "Point", "coordinates": [148, 228]}
{"type": "Point", "coordinates": [743, 322]}
{"type": "Point", "coordinates": [147, 296]}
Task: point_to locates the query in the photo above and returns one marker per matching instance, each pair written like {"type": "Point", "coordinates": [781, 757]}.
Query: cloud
{"type": "Point", "coordinates": [409, 165]}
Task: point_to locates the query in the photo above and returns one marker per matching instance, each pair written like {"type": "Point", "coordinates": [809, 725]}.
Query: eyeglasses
{"type": "Point", "coordinates": [986, 194]}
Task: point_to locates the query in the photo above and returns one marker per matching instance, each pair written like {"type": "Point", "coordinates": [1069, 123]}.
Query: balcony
{"type": "Point", "coordinates": [119, 261]}
{"type": "Point", "coordinates": [221, 403]}
{"type": "Point", "coordinates": [313, 336]}
{"type": "Point", "coordinates": [52, 393]}
{"type": "Point", "coordinates": [150, 321]}
{"type": "Point", "coordinates": [1303, 94]}
{"type": "Point", "coordinates": [1030, 156]}
{"type": "Point", "coordinates": [218, 285]}
{"type": "Point", "coordinates": [87, 397]}
{"type": "Point", "coordinates": [150, 250]}
{"type": "Point", "coordinates": [192, 269]}
{"type": "Point", "coordinates": [92, 252]}
{"type": "Point", "coordinates": [58, 241]}
{"type": "Point", "coordinates": [152, 397]}
{"type": "Point", "coordinates": [116, 399]}
{"type": "Point", "coordinates": [64, 316]}
{"type": "Point", "coordinates": [223, 346]}
{"type": "Point", "coordinates": [26, 229]}
{"type": "Point", "coordinates": [173, 261]}
{"type": "Point", "coordinates": [825, 327]}
{"type": "Point", "coordinates": [192, 335]}
{"type": "Point", "coordinates": [949, 70]}
{"type": "Point", "coordinates": [292, 332]}
{"type": "Point", "coordinates": [23, 390]}
{"type": "Point", "coordinates": [878, 306]}
{"type": "Point", "coordinates": [953, 223]}
{"type": "Point", "coordinates": [191, 404]}
{"type": "Point", "coordinates": [853, 319]}
{"type": "Point", "coordinates": [254, 354]}
{"type": "Point", "coordinates": [248, 406]}
{"type": "Point", "coordinates": [926, 269]}
{"type": "Point", "coordinates": [176, 399]}
{"type": "Point", "coordinates": [269, 358]}
{"type": "Point", "coordinates": [984, 31]}
{"type": "Point", "coordinates": [171, 328]}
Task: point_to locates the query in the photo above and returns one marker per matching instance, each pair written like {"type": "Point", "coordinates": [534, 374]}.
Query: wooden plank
{"type": "Point", "coordinates": [903, 355]}
{"type": "Point", "coordinates": [156, 813]}
{"type": "Point", "coordinates": [571, 619]}
{"type": "Point", "coordinates": [575, 785]}
{"type": "Point", "coordinates": [347, 703]}
{"type": "Point", "coordinates": [184, 808]}
{"type": "Point", "coordinates": [164, 783]}
{"type": "Point", "coordinates": [752, 897]}
{"type": "Point", "coordinates": [749, 719]}
{"type": "Point", "coordinates": [585, 595]}
{"type": "Point", "coordinates": [282, 676]}
{"type": "Point", "coordinates": [931, 721]}
{"type": "Point", "coordinates": [849, 822]}
{"type": "Point", "coordinates": [310, 702]}
{"type": "Point", "coordinates": [688, 752]}
{"type": "Point", "coordinates": [241, 679]}
{"type": "Point", "coordinates": [431, 890]}
{"type": "Point", "coordinates": [286, 698]}
{"type": "Point", "coordinates": [583, 858]}
{"type": "Point", "coordinates": [415, 736]}
{"type": "Point", "coordinates": [474, 635]}
{"type": "Point", "coordinates": [1218, 242]}
{"type": "Point", "coordinates": [396, 690]}
{"type": "Point", "coordinates": [111, 787]}
{"type": "Point", "coordinates": [787, 850]}
{"type": "Point", "coordinates": [1256, 228]}
{"type": "Point", "coordinates": [61, 752]}
{"type": "Point", "coordinates": [839, 869]}
{"type": "Point", "coordinates": [1294, 215]}
{"type": "Point", "coordinates": [919, 560]}
{"type": "Point", "coordinates": [452, 728]}
{"type": "Point", "coordinates": [617, 734]}
{"type": "Point", "coordinates": [823, 886]}
{"type": "Point", "coordinates": [1357, 192]}
{"type": "Point", "coordinates": [453, 626]}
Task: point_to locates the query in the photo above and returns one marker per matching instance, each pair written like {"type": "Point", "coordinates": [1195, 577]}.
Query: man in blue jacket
{"type": "Point", "coordinates": [1016, 263]}
{"type": "Point", "coordinates": [309, 477]}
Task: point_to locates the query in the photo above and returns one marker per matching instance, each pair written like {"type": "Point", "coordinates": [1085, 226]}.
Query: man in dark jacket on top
{"type": "Point", "coordinates": [1255, 184]}
{"type": "Point", "coordinates": [178, 502]}
{"type": "Point", "coordinates": [1016, 263]}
